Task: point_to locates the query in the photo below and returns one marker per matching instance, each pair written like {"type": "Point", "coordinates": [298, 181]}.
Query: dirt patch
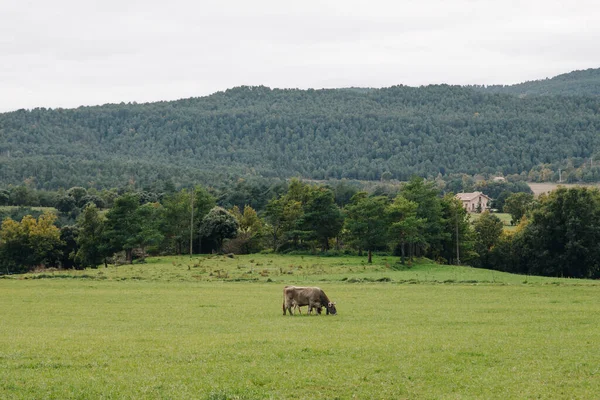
{"type": "Point", "coordinates": [539, 188]}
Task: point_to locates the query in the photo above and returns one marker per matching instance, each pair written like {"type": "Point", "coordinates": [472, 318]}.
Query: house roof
{"type": "Point", "coordinates": [471, 196]}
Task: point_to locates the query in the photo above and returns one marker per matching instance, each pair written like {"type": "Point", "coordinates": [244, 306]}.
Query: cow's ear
{"type": "Point", "coordinates": [334, 303]}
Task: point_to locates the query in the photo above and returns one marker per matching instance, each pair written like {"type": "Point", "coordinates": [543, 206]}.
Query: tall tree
{"type": "Point", "coordinates": [176, 223]}
{"type": "Point", "coordinates": [322, 217]}
{"type": "Point", "coordinates": [282, 216]}
{"type": "Point", "coordinates": [90, 241]}
{"type": "Point", "coordinates": [250, 231]}
{"type": "Point", "coordinates": [405, 227]}
{"type": "Point", "coordinates": [366, 222]}
{"type": "Point", "coordinates": [151, 217]}
{"type": "Point", "coordinates": [426, 196]}
{"type": "Point", "coordinates": [123, 225]}
{"type": "Point", "coordinates": [458, 240]}
{"type": "Point", "coordinates": [488, 229]}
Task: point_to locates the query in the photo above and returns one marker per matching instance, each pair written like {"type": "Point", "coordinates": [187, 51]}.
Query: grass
{"type": "Point", "coordinates": [165, 329]}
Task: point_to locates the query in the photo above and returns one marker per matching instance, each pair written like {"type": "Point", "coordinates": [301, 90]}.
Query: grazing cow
{"type": "Point", "coordinates": [313, 297]}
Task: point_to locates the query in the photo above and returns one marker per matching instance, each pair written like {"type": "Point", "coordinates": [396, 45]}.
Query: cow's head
{"type": "Point", "coordinates": [331, 308]}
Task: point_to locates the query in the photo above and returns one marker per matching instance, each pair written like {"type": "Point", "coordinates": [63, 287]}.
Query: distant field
{"type": "Point", "coordinates": [539, 188]}
{"type": "Point", "coordinates": [504, 217]}
{"type": "Point", "coordinates": [10, 208]}
{"type": "Point", "coordinates": [212, 328]}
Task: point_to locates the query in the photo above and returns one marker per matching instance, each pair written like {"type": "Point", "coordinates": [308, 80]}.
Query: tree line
{"type": "Point", "coordinates": [556, 233]}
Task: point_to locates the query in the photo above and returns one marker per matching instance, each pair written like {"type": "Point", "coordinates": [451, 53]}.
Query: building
{"type": "Point", "coordinates": [474, 202]}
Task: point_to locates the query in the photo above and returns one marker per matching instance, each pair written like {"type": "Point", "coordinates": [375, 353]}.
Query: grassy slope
{"type": "Point", "coordinates": [168, 330]}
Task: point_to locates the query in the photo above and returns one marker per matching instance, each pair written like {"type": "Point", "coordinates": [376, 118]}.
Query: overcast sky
{"type": "Point", "coordinates": [67, 53]}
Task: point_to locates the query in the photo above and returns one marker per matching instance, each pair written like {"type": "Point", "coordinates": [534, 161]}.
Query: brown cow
{"type": "Point", "coordinates": [313, 297]}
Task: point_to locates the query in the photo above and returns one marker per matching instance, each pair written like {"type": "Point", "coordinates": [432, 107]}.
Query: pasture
{"type": "Point", "coordinates": [212, 328]}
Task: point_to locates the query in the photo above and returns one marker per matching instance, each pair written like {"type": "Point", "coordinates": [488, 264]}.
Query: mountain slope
{"type": "Point", "coordinates": [310, 133]}
{"type": "Point", "coordinates": [576, 83]}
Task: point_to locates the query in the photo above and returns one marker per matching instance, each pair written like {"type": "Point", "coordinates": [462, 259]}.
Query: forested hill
{"type": "Point", "coordinates": [342, 133]}
{"type": "Point", "coordinates": [576, 83]}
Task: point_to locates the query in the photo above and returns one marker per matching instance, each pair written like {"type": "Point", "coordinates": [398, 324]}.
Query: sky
{"type": "Point", "coordinates": [68, 53]}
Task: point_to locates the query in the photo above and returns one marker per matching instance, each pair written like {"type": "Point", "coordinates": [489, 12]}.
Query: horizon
{"type": "Point", "coordinates": [68, 53]}
{"type": "Point", "coordinates": [284, 88]}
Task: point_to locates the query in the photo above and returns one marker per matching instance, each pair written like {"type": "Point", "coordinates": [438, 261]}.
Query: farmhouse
{"type": "Point", "coordinates": [474, 202]}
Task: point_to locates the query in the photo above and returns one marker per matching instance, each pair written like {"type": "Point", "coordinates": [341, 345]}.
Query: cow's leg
{"type": "Point", "coordinates": [288, 306]}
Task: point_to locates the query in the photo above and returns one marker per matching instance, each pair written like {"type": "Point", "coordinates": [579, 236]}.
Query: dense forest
{"type": "Point", "coordinates": [374, 134]}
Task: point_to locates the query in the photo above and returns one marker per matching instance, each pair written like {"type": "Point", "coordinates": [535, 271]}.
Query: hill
{"type": "Point", "coordinates": [318, 134]}
{"type": "Point", "coordinates": [576, 83]}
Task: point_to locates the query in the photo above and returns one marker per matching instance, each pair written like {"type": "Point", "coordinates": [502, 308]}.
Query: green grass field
{"type": "Point", "coordinates": [212, 328]}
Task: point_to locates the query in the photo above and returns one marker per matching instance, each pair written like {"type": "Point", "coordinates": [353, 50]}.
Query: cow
{"type": "Point", "coordinates": [313, 297]}
{"type": "Point", "coordinates": [297, 307]}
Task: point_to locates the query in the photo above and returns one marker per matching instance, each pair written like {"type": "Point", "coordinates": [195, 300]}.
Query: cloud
{"type": "Point", "coordinates": [68, 53]}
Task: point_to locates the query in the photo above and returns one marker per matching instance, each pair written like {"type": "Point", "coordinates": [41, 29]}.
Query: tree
{"type": "Point", "coordinates": [68, 249]}
{"type": "Point", "coordinates": [322, 218]}
{"type": "Point", "coordinates": [366, 222]}
{"type": "Point", "coordinates": [488, 229]}
{"type": "Point", "coordinates": [123, 226]}
{"type": "Point", "coordinates": [282, 216]}
{"type": "Point", "coordinates": [218, 225]}
{"type": "Point", "coordinates": [458, 239]}
{"type": "Point", "coordinates": [66, 204]}
{"type": "Point", "coordinates": [426, 195]}
{"type": "Point", "coordinates": [405, 227]}
{"type": "Point", "coordinates": [90, 240]}
{"type": "Point", "coordinates": [562, 235]}
{"type": "Point", "coordinates": [176, 223]}
{"type": "Point", "coordinates": [517, 205]}
{"type": "Point", "coordinates": [77, 193]}
{"type": "Point", "coordinates": [44, 238]}
{"type": "Point", "coordinates": [250, 231]}
{"type": "Point", "coordinates": [29, 243]}
{"type": "Point", "coordinates": [151, 217]}
{"type": "Point", "coordinates": [203, 203]}
{"type": "Point", "coordinates": [22, 196]}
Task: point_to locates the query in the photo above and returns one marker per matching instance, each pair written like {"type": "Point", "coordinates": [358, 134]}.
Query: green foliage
{"type": "Point", "coordinates": [457, 229]}
{"type": "Point", "coordinates": [429, 209]}
{"type": "Point", "coordinates": [322, 218]}
{"type": "Point", "coordinates": [366, 222]}
{"type": "Point", "coordinates": [177, 219]}
{"type": "Point", "coordinates": [254, 132]}
{"type": "Point", "coordinates": [488, 229]}
{"type": "Point", "coordinates": [90, 240]}
{"type": "Point", "coordinates": [562, 236]}
{"type": "Point", "coordinates": [282, 215]}
{"type": "Point", "coordinates": [405, 227]}
{"type": "Point", "coordinates": [250, 233]}
{"type": "Point", "coordinates": [517, 206]}
{"type": "Point", "coordinates": [29, 243]}
{"type": "Point", "coordinates": [123, 226]}
{"type": "Point", "coordinates": [218, 225]}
